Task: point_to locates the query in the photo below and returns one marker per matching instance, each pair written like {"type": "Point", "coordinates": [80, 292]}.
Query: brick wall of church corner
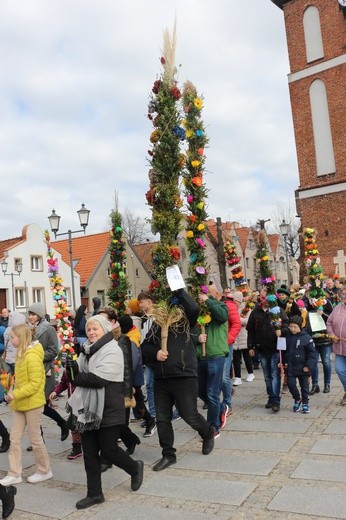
{"type": "Point", "coordinates": [326, 215]}
{"type": "Point", "coordinates": [332, 23]}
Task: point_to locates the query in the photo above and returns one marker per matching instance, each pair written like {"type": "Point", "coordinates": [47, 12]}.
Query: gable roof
{"type": "Point", "coordinates": [143, 252]}
{"type": "Point", "coordinates": [12, 242]}
{"type": "Point", "coordinates": [85, 263]}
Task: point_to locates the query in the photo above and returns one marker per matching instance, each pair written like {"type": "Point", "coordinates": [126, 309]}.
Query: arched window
{"type": "Point", "coordinates": [324, 151]}
{"type": "Point", "coordinates": [312, 34]}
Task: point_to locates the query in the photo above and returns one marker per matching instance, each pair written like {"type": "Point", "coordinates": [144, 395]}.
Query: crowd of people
{"type": "Point", "coordinates": [119, 359]}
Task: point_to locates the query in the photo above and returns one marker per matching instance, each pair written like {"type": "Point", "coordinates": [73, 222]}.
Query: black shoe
{"type": "Point", "coordinates": [89, 501]}
{"type": "Point", "coordinates": [7, 500]}
{"type": "Point", "coordinates": [269, 404]}
{"type": "Point", "coordinates": [137, 479]}
{"type": "Point", "coordinates": [275, 407]}
{"type": "Point", "coordinates": [326, 389]}
{"type": "Point", "coordinates": [64, 432]}
{"type": "Point", "coordinates": [130, 450]}
{"type": "Point", "coordinates": [105, 466]}
{"type": "Point", "coordinates": [315, 389]}
{"type": "Point", "coordinates": [5, 445]}
{"type": "Point", "coordinates": [208, 443]}
{"type": "Point", "coordinates": [164, 463]}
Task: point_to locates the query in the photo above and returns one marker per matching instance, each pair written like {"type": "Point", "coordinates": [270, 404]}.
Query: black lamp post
{"type": "Point", "coordinates": [19, 268]}
{"type": "Point", "coordinates": [54, 222]}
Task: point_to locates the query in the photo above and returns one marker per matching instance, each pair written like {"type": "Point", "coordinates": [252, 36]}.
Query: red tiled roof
{"type": "Point", "coordinates": [12, 242]}
{"type": "Point", "coordinates": [88, 251]}
{"type": "Point", "coordinates": [143, 252]}
{"type": "Point", "coordinates": [274, 242]}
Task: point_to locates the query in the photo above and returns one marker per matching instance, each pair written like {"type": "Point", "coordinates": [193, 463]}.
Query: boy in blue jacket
{"type": "Point", "coordinates": [300, 357]}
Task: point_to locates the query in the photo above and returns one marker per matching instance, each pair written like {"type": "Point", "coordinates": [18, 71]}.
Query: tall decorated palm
{"type": "Point", "coordinates": [268, 279]}
{"type": "Point", "coordinates": [240, 282]}
{"type": "Point", "coordinates": [61, 309]}
{"type": "Point", "coordinates": [166, 163]}
{"type": "Point", "coordinates": [118, 290]}
{"type": "Point", "coordinates": [314, 269]}
{"type": "Point", "coordinates": [196, 194]}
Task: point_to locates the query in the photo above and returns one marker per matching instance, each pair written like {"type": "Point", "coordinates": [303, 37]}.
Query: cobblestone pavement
{"type": "Point", "coordinates": [264, 466]}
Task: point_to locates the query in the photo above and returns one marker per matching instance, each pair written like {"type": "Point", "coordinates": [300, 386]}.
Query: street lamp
{"type": "Point", "coordinates": [19, 268]}
{"type": "Point", "coordinates": [54, 222]}
{"type": "Point", "coordinates": [284, 228]}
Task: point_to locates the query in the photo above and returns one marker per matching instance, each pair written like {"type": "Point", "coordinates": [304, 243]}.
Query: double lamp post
{"type": "Point", "coordinates": [54, 222]}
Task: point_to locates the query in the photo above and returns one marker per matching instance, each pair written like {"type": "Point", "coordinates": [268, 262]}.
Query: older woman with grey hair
{"type": "Point", "coordinates": [97, 408]}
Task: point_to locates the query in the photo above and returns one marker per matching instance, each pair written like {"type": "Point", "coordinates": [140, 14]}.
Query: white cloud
{"type": "Point", "coordinates": [76, 76]}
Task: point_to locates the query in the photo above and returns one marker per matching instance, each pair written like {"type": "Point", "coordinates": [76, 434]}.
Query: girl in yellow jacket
{"type": "Point", "coordinates": [27, 400]}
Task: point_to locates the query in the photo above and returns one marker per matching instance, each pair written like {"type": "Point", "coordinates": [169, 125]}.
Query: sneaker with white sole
{"type": "Point", "coordinates": [237, 381]}
{"type": "Point", "coordinates": [9, 480]}
{"type": "Point", "coordinates": [250, 378]}
{"type": "Point", "coordinates": [150, 429]}
{"type": "Point", "coordinates": [36, 478]}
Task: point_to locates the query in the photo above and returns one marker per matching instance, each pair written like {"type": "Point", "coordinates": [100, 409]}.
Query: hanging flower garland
{"type": "Point", "coordinates": [268, 279]}
{"type": "Point", "coordinates": [166, 161]}
{"type": "Point", "coordinates": [61, 309]}
{"type": "Point", "coordinates": [196, 194]}
{"type": "Point", "coordinates": [314, 269]}
{"type": "Point", "coordinates": [118, 292]}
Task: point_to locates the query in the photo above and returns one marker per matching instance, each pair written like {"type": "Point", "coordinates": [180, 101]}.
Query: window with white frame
{"type": "Point", "coordinates": [36, 263]}
{"type": "Point", "coordinates": [20, 297]}
{"type": "Point", "coordinates": [38, 295]}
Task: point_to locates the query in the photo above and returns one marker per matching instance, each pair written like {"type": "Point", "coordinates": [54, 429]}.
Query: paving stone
{"type": "Point", "coordinates": [196, 489]}
{"type": "Point", "coordinates": [244, 464]}
{"type": "Point", "coordinates": [305, 500]}
{"type": "Point", "coordinates": [272, 425]}
{"type": "Point", "coordinates": [129, 510]}
{"type": "Point", "coordinates": [336, 426]}
{"type": "Point", "coordinates": [74, 473]}
{"type": "Point", "coordinates": [329, 470]}
{"type": "Point", "coordinates": [328, 447]}
{"type": "Point", "coordinates": [46, 501]}
{"type": "Point", "coordinates": [341, 413]}
{"type": "Point", "coordinates": [255, 443]}
{"type": "Point", "coordinates": [285, 411]}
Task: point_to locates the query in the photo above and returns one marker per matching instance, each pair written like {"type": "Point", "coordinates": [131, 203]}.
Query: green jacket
{"type": "Point", "coordinates": [30, 380]}
{"type": "Point", "coordinates": [216, 330]}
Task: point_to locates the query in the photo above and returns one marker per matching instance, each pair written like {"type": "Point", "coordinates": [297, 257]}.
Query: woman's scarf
{"type": "Point", "coordinates": [86, 405]}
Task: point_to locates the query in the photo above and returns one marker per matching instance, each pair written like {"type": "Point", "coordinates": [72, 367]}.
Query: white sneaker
{"type": "Point", "coordinates": [39, 477]}
{"type": "Point", "coordinates": [237, 381]}
{"type": "Point", "coordinates": [10, 480]}
{"type": "Point", "coordinates": [250, 378]}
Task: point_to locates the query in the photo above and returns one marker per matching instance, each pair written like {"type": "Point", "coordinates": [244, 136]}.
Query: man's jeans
{"type": "Point", "coordinates": [340, 369]}
{"type": "Point", "coordinates": [226, 379]}
{"type": "Point", "coordinates": [210, 372]}
{"type": "Point", "coordinates": [324, 351]}
{"type": "Point", "coordinates": [272, 375]}
{"type": "Point", "coordinates": [149, 385]}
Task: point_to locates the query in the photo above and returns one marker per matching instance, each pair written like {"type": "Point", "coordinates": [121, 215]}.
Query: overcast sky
{"type": "Point", "coordinates": [75, 82]}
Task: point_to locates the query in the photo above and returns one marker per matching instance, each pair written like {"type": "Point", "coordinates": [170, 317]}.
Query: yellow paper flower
{"type": "Point", "coordinates": [189, 133]}
{"type": "Point", "coordinates": [195, 163]}
{"type": "Point", "coordinates": [200, 227]}
{"type": "Point", "coordinates": [189, 234]}
{"type": "Point", "coordinates": [200, 205]}
{"type": "Point", "coordinates": [198, 102]}
{"type": "Point", "coordinates": [184, 123]}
